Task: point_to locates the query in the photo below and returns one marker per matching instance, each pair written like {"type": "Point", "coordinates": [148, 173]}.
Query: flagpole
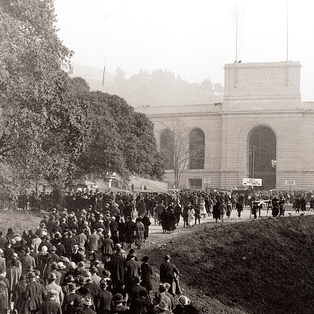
{"type": "Point", "coordinates": [104, 77]}
{"type": "Point", "coordinates": [287, 70]}
{"type": "Point", "coordinates": [237, 16]}
{"type": "Point", "coordinates": [287, 29]}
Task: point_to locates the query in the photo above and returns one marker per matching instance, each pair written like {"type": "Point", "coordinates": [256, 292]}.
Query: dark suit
{"type": "Point", "coordinates": [50, 307]}
{"type": "Point", "coordinates": [34, 296]}
{"type": "Point", "coordinates": [167, 271]}
{"type": "Point", "coordinates": [103, 302]}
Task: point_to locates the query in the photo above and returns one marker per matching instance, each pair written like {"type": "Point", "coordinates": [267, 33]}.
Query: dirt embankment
{"type": "Point", "coordinates": [262, 266]}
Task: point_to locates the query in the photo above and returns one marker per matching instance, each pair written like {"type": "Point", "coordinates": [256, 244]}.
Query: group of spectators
{"type": "Point", "coordinates": [82, 258]}
{"type": "Point", "coordinates": [85, 261]}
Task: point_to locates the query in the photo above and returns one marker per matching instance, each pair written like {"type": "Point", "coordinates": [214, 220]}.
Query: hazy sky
{"type": "Point", "coordinates": [191, 38]}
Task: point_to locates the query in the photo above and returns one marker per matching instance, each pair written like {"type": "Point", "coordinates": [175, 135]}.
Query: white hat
{"type": "Point", "coordinates": [61, 265]}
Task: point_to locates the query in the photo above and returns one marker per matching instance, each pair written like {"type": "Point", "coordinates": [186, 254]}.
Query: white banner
{"type": "Point", "coordinates": [252, 182]}
{"type": "Point", "coordinates": [289, 182]}
{"type": "Point", "coordinates": [206, 180]}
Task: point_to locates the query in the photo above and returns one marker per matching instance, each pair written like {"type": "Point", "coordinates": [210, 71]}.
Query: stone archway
{"type": "Point", "coordinates": [262, 156]}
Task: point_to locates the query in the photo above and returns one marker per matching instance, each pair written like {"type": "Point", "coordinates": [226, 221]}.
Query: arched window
{"type": "Point", "coordinates": [197, 149]}
{"type": "Point", "coordinates": [262, 156]}
{"type": "Point", "coordinates": [167, 148]}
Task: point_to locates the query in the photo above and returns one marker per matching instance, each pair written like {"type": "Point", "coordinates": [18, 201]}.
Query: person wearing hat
{"type": "Point", "coordinates": [119, 249]}
{"type": "Point", "coordinates": [50, 306]}
{"type": "Point", "coordinates": [38, 278]}
{"type": "Point", "coordinates": [34, 294]}
{"type": "Point", "coordinates": [93, 242]}
{"type": "Point", "coordinates": [82, 238]}
{"type": "Point", "coordinates": [67, 281]}
{"type": "Point", "coordinates": [169, 295]}
{"type": "Point", "coordinates": [53, 256]}
{"type": "Point", "coordinates": [13, 274]}
{"type": "Point", "coordinates": [77, 255]}
{"type": "Point", "coordinates": [27, 261]}
{"type": "Point", "coordinates": [41, 230]}
{"type": "Point", "coordinates": [135, 291]}
{"type": "Point", "coordinates": [80, 269]}
{"type": "Point", "coordinates": [162, 308]}
{"type": "Point", "coordinates": [94, 275]}
{"type": "Point", "coordinates": [139, 233]}
{"type": "Point", "coordinates": [93, 288]}
{"type": "Point", "coordinates": [116, 267]}
{"type": "Point", "coordinates": [107, 245]}
{"type": "Point", "coordinates": [18, 298]}
{"type": "Point", "coordinates": [147, 271]}
{"type": "Point", "coordinates": [54, 270]}
{"type": "Point", "coordinates": [184, 306]}
{"type": "Point", "coordinates": [169, 273]}
{"type": "Point", "coordinates": [53, 286]}
{"type": "Point", "coordinates": [59, 246]}
{"type": "Point", "coordinates": [87, 305]}
{"type": "Point", "coordinates": [62, 270]}
{"type": "Point", "coordinates": [119, 304]}
{"type": "Point", "coordinates": [163, 297]}
{"type": "Point", "coordinates": [70, 298]}
{"type": "Point", "coordinates": [103, 298]}
{"type": "Point", "coordinates": [142, 303]}
{"type": "Point", "coordinates": [69, 243]}
{"type": "Point", "coordinates": [132, 269]}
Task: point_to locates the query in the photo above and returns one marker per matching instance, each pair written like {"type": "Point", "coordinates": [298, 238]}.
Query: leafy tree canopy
{"type": "Point", "coordinates": [121, 140]}
{"type": "Point", "coordinates": [43, 122]}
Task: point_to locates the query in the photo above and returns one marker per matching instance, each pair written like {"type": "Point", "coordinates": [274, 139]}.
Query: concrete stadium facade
{"type": "Point", "coordinates": [261, 108]}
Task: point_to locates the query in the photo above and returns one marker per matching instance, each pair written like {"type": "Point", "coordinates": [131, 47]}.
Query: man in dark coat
{"type": "Point", "coordinates": [104, 298]}
{"type": "Point", "coordinates": [116, 267]}
{"type": "Point", "coordinates": [50, 306]}
{"type": "Point", "coordinates": [132, 269]}
{"type": "Point", "coordinates": [129, 231]}
{"type": "Point", "coordinates": [70, 299]}
{"type": "Point", "coordinates": [168, 271]}
{"type": "Point", "coordinates": [34, 294]}
{"type": "Point", "coordinates": [146, 222]}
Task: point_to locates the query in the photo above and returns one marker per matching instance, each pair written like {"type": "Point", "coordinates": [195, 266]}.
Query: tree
{"type": "Point", "coordinates": [43, 124]}
{"type": "Point", "coordinates": [178, 147]}
{"type": "Point", "coordinates": [120, 140]}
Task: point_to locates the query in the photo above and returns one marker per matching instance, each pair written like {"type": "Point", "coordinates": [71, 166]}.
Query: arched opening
{"type": "Point", "coordinates": [262, 156]}
{"type": "Point", "coordinates": [196, 149]}
{"type": "Point", "coordinates": [167, 148]}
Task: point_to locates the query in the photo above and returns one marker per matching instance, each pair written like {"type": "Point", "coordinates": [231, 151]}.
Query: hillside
{"type": "Point", "coordinates": [262, 266]}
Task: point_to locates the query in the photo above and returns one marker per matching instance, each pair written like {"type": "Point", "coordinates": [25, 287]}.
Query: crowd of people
{"type": "Point", "coordinates": [85, 261]}
{"type": "Point", "coordinates": [82, 258]}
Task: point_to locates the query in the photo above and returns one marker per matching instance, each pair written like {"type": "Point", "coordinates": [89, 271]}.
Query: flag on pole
{"type": "Point", "coordinates": [103, 75]}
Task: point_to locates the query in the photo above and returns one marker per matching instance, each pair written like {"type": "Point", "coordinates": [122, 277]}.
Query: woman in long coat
{"type": "Point", "coordinates": [216, 211]}
{"type": "Point", "coordinates": [191, 213]}
{"type": "Point", "coordinates": [139, 233]}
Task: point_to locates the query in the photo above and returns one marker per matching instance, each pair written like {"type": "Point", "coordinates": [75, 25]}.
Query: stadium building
{"type": "Point", "coordinates": [262, 131]}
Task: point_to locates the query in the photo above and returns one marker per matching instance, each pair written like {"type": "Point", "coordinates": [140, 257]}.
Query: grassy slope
{"type": "Point", "coordinates": [19, 220]}
{"type": "Point", "coordinates": [263, 266]}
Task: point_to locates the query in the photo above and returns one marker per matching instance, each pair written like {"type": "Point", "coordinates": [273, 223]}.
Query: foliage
{"type": "Point", "coordinates": [43, 123]}
{"type": "Point", "coordinates": [121, 140]}
{"type": "Point", "coordinates": [162, 88]}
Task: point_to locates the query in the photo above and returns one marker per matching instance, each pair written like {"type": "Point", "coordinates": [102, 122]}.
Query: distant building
{"type": "Point", "coordinates": [261, 130]}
